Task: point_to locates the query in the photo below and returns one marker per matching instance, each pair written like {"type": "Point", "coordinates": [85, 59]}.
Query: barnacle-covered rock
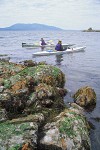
{"type": "Point", "coordinates": [8, 69]}
{"type": "Point", "coordinates": [85, 96]}
{"type": "Point", "coordinates": [68, 131]}
{"type": "Point", "coordinates": [40, 74]}
{"type": "Point", "coordinates": [15, 133]}
{"type": "Point", "coordinates": [32, 100]}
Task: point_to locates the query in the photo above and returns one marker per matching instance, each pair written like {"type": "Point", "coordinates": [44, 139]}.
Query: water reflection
{"type": "Point", "coordinates": [42, 48]}
{"type": "Point", "coordinates": [59, 59]}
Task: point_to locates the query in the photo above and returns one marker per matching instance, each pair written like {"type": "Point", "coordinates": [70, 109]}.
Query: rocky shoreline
{"type": "Point", "coordinates": [33, 115]}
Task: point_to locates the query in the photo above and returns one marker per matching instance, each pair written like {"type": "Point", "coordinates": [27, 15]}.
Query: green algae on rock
{"type": "Point", "coordinates": [18, 131]}
{"type": "Point", "coordinates": [68, 131]}
{"type": "Point", "coordinates": [37, 92]}
{"type": "Point", "coordinates": [36, 87]}
{"type": "Point", "coordinates": [38, 73]}
{"type": "Point", "coordinates": [8, 69]}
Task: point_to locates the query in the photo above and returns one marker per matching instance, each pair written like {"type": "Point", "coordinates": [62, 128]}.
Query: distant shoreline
{"type": "Point", "coordinates": [30, 27]}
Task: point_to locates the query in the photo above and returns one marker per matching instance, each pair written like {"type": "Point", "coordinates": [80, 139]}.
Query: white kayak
{"type": "Point", "coordinates": [54, 52]}
{"type": "Point", "coordinates": [65, 46]}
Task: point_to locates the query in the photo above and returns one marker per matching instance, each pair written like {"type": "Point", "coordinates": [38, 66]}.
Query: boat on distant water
{"type": "Point", "coordinates": [49, 45]}
{"type": "Point", "coordinates": [54, 52]}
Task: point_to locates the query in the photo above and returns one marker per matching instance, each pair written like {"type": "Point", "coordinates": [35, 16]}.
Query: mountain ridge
{"type": "Point", "coordinates": [32, 26]}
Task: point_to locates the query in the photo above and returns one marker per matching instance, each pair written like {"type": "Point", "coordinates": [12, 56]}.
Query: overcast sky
{"type": "Point", "coordinates": [66, 14]}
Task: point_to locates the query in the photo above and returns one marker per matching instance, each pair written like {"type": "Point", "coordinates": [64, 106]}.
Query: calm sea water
{"type": "Point", "coordinates": [81, 69]}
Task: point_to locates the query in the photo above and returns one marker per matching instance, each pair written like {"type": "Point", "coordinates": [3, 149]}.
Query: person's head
{"type": "Point", "coordinates": [41, 39]}
{"type": "Point", "coordinates": [60, 42]}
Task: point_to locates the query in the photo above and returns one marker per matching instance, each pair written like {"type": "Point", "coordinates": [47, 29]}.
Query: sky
{"type": "Point", "coordinates": [65, 14]}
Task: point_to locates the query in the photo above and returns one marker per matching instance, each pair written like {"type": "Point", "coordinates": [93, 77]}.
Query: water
{"type": "Point", "coordinates": [80, 69]}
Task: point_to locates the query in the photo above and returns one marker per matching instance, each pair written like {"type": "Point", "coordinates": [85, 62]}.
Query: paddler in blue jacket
{"type": "Point", "coordinates": [59, 46]}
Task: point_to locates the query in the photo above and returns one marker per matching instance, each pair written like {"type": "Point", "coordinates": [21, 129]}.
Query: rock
{"type": "Point", "coordinates": [46, 91]}
{"type": "Point", "coordinates": [33, 99]}
{"type": "Point", "coordinates": [38, 117]}
{"type": "Point", "coordinates": [29, 63]}
{"type": "Point", "coordinates": [46, 96]}
{"type": "Point", "coordinates": [5, 97]}
{"type": "Point", "coordinates": [1, 89]}
{"type": "Point", "coordinates": [8, 69]}
{"type": "Point", "coordinates": [20, 132]}
{"type": "Point", "coordinates": [77, 108]}
{"type": "Point", "coordinates": [85, 96]}
{"type": "Point", "coordinates": [68, 131]}
{"type": "Point", "coordinates": [2, 115]}
{"type": "Point", "coordinates": [37, 87]}
{"type": "Point", "coordinates": [41, 74]}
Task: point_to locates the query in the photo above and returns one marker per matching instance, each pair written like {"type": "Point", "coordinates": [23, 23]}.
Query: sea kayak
{"type": "Point", "coordinates": [65, 46]}
{"type": "Point", "coordinates": [54, 52]}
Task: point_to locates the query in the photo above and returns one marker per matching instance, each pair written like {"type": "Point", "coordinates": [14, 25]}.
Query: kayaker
{"type": "Point", "coordinates": [59, 46]}
{"type": "Point", "coordinates": [42, 42]}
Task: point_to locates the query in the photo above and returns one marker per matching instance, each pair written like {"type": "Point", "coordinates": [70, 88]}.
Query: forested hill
{"type": "Point", "coordinates": [34, 26]}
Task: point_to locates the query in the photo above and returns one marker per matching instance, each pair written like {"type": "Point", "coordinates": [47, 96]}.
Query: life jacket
{"type": "Point", "coordinates": [59, 47]}
{"type": "Point", "coordinates": [43, 42]}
